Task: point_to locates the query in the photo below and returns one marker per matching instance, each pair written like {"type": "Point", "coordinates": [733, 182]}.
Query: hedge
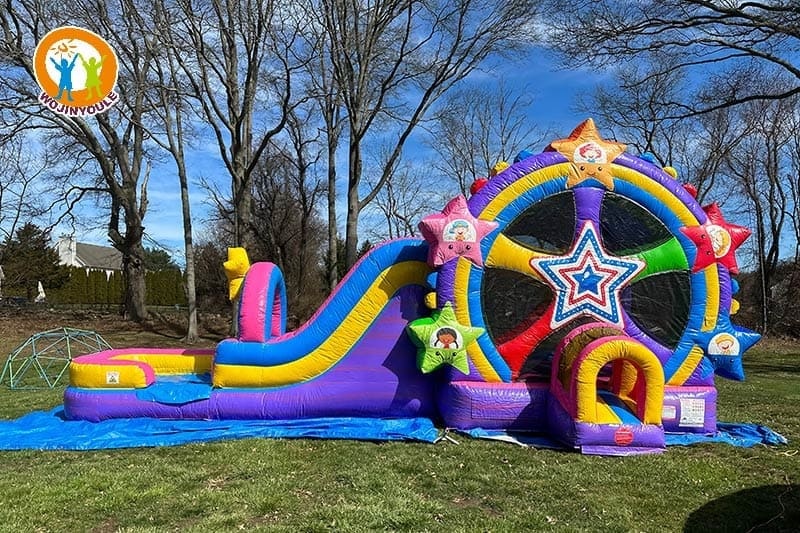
{"type": "Point", "coordinates": [164, 287]}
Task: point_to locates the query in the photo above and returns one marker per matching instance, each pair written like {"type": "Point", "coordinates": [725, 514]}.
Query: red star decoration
{"type": "Point", "coordinates": [716, 240]}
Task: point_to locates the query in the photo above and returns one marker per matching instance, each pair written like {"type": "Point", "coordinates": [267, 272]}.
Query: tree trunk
{"type": "Point", "coordinates": [353, 207]}
{"type": "Point", "coordinates": [243, 228]}
{"type": "Point", "coordinates": [134, 275]}
{"type": "Point", "coordinates": [333, 233]}
{"type": "Point", "coordinates": [191, 294]}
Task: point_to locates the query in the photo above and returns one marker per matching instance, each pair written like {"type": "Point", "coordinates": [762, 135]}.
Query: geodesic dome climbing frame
{"type": "Point", "coordinates": [46, 355]}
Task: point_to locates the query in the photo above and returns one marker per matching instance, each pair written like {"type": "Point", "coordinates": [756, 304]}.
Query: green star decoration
{"type": "Point", "coordinates": [441, 339]}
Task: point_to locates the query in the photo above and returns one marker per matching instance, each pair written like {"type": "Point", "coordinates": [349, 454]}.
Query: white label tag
{"type": "Point", "coordinates": [112, 378]}
{"type": "Point", "coordinates": [693, 412]}
{"type": "Point", "coordinates": [669, 412]}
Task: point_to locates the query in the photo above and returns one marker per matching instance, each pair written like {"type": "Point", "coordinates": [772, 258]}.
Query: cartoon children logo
{"type": "Point", "coordinates": [723, 344]}
{"type": "Point", "coordinates": [720, 240]}
{"type": "Point", "coordinates": [446, 338]}
{"type": "Point", "coordinates": [77, 71]}
{"type": "Point", "coordinates": [589, 152]}
{"type": "Point", "coordinates": [459, 230]}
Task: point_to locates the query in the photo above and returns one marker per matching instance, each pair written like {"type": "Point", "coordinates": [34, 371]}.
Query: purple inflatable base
{"type": "Point", "coordinates": [466, 405]}
{"type": "Point", "coordinates": [690, 410]}
{"type": "Point", "coordinates": [336, 400]}
{"type": "Point", "coordinates": [619, 451]}
{"type": "Point", "coordinates": [461, 405]}
{"type": "Point", "coordinates": [523, 406]}
{"type": "Point", "coordinates": [515, 406]}
{"type": "Point", "coordinates": [596, 439]}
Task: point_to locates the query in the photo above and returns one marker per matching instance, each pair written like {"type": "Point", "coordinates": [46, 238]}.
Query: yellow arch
{"type": "Point", "coordinates": [589, 365]}
{"type": "Point", "coordinates": [572, 350]}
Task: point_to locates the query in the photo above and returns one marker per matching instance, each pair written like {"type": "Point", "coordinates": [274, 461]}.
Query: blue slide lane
{"type": "Point", "coordinates": [329, 317]}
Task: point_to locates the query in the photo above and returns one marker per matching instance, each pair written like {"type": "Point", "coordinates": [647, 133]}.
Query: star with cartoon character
{"type": "Point", "coordinates": [454, 233]}
{"type": "Point", "coordinates": [590, 155]}
{"type": "Point", "coordinates": [442, 340]}
{"type": "Point", "coordinates": [716, 240]}
{"type": "Point", "coordinates": [725, 345]}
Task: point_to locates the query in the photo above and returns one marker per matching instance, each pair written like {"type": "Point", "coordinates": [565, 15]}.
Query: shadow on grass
{"type": "Point", "coordinates": [763, 368]}
{"type": "Point", "coordinates": [767, 508]}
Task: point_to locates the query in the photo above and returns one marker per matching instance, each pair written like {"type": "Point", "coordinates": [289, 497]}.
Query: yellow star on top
{"type": "Point", "coordinates": [589, 154]}
{"type": "Point", "coordinates": [236, 267]}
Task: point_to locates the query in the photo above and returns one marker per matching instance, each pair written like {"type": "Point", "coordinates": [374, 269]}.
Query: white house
{"type": "Point", "coordinates": [88, 256]}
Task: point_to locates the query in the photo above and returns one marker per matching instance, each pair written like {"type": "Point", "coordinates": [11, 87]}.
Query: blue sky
{"type": "Point", "coordinates": [554, 92]}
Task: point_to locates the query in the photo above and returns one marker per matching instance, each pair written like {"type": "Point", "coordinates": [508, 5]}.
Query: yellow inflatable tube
{"type": "Point", "coordinates": [135, 367]}
{"type": "Point", "coordinates": [649, 401]}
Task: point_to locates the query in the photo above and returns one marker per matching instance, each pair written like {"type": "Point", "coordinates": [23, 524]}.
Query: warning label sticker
{"type": "Point", "coordinates": [693, 412]}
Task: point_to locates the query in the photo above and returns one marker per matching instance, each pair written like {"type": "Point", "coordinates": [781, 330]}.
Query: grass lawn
{"type": "Point", "coordinates": [308, 485]}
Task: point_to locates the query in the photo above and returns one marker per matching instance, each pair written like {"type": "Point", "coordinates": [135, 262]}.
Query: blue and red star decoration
{"type": "Point", "coordinates": [587, 280]}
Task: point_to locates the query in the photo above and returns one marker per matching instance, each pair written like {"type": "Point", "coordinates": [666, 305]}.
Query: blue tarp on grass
{"type": "Point", "coordinates": [741, 435]}
{"type": "Point", "coordinates": [49, 430]}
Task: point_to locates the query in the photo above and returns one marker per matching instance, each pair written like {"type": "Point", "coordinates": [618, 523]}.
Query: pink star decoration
{"type": "Point", "coordinates": [455, 233]}
{"type": "Point", "coordinates": [716, 240]}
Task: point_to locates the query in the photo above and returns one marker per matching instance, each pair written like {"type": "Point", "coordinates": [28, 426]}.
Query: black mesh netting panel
{"type": "Point", "coordinates": [546, 226]}
{"type": "Point", "coordinates": [511, 303]}
{"type": "Point", "coordinates": [659, 305]}
{"type": "Point", "coordinates": [627, 228]}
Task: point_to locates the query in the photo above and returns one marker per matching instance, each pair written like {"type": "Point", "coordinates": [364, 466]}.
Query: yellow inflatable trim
{"type": "Point", "coordinates": [121, 371]}
{"type": "Point", "coordinates": [585, 378]}
{"type": "Point", "coordinates": [507, 254]}
{"type": "Point", "coordinates": [236, 268]}
{"type": "Point", "coordinates": [605, 415]}
{"type": "Point", "coordinates": [474, 351]}
{"type": "Point", "coordinates": [576, 345]}
{"type": "Point", "coordinates": [521, 186]}
{"type": "Point", "coordinates": [687, 367]}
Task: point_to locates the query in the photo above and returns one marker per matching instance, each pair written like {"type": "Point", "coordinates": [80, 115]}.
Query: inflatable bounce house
{"type": "Point", "coordinates": [581, 293]}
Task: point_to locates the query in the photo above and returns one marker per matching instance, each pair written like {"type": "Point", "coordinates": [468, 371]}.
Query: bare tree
{"type": "Point", "coordinates": [170, 127]}
{"type": "Point", "coordinates": [700, 36]}
{"type": "Point", "coordinates": [640, 111]}
{"type": "Point", "coordinates": [477, 127]}
{"type": "Point", "coordinates": [22, 188]}
{"type": "Point", "coordinates": [115, 142]}
{"type": "Point", "coordinates": [758, 167]}
{"type": "Point", "coordinates": [793, 207]}
{"type": "Point", "coordinates": [322, 88]}
{"type": "Point", "coordinates": [702, 148]}
{"type": "Point", "coordinates": [403, 201]}
{"type": "Point", "coordinates": [301, 151]}
{"type": "Point", "coordinates": [289, 230]}
{"type": "Point", "coordinates": [240, 64]}
{"type": "Point", "coordinates": [638, 106]}
{"type": "Point", "coordinates": [393, 59]}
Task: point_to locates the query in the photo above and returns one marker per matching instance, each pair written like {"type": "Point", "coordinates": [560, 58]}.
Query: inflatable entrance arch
{"type": "Point", "coordinates": [580, 292]}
